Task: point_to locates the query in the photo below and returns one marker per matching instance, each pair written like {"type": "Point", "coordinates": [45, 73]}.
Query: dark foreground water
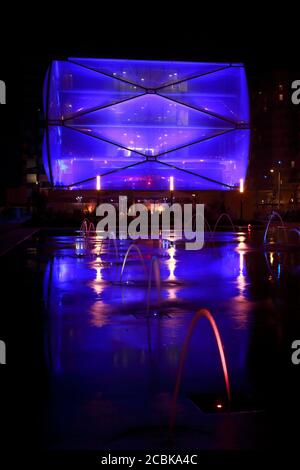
{"type": "Point", "coordinates": [93, 357]}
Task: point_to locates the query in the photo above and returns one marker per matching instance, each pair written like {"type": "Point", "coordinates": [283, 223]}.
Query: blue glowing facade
{"type": "Point", "coordinates": [137, 123]}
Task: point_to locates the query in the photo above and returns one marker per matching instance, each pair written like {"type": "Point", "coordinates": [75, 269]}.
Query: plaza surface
{"type": "Point", "coordinates": [108, 337]}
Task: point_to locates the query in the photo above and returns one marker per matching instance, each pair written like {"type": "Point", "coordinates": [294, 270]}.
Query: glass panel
{"type": "Point", "coordinates": [76, 156]}
{"type": "Point", "coordinates": [224, 93]}
{"type": "Point", "coordinates": [75, 89]}
{"type": "Point", "coordinates": [150, 176]}
{"type": "Point", "coordinates": [147, 73]}
{"type": "Point", "coordinates": [129, 126]}
{"type": "Point", "coordinates": [150, 124]}
{"type": "Point", "coordinates": [223, 158]}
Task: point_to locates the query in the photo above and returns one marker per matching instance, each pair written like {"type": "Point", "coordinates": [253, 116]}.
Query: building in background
{"type": "Point", "coordinates": [141, 124]}
{"type": "Point", "coordinates": [274, 170]}
{"type": "Point", "coordinates": [274, 165]}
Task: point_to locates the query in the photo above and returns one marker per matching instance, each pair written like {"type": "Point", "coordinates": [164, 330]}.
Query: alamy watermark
{"type": "Point", "coordinates": [2, 92]}
{"type": "Point", "coordinates": [296, 353]}
{"type": "Point", "coordinates": [186, 225]}
{"type": "Point", "coordinates": [296, 93]}
{"type": "Point", "coordinates": [2, 353]}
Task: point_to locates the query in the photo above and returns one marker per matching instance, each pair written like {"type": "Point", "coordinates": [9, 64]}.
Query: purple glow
{"type": "Point", "coordinates": [150, 125]}
{"type": "Point", "coordinates": [83, 292]}
{"type": "Point", "coordinates": [224, 93]}
{"type": "Point", "coordinates": [99, 122]}
{"type": "Point", "coordinates": [75, 90]}
{"type": "Point", "coordinates": [148, 73]}
{"type": "Point", "coordinates": [149, 176]}
{"type": "Point", "coordinates": [76, 157]}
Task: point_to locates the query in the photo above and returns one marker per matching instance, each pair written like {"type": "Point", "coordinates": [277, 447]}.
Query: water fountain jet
{"type": "Point", "coordinates": [271, 217]}
{"type": "Point", "coordinates": [200, 313]}
{"type": "Point", "coordinates": [91, 228]}
{"type": "Point", "coordinates": [113, 238]}
{"type": "Point", "coordinates": [296, 230]}
{"type": "Point", "coordinates": [131, 247]}
{"type": "Point", "coordinates": [154, 266]}
{"type": "Point", "coordinates": [84, 227]}
{"type": "Point", "coordinates": [193, 219]}
{"type": "Point", "coordinates": [218, 220]}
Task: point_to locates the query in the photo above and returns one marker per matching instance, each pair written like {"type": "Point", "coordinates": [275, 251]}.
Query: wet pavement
{"type": "Point", "coordinates": [106, 348]}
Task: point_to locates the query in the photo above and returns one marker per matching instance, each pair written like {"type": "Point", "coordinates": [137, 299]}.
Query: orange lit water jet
{"type": "Point", "coordinates": [200, 313]}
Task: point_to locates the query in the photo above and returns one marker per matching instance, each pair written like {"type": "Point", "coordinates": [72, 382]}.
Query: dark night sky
{"type": "Point", "coordinates": [260, 42]}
